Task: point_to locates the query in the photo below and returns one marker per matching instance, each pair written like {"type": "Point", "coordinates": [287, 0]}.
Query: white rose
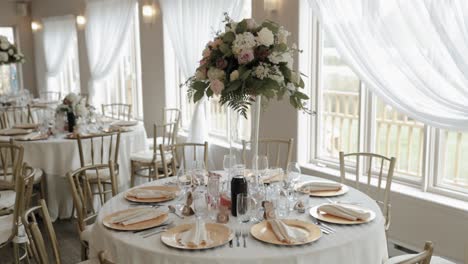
{"type": "Point", "coordinates": [265, 37]}
{"type": "Point", "coordinates": [4, 45]}
{"type": "Point", "coordinates": [3, 56]}
{"type": "Point", "coordinates": [215, 74]}
{"type": "Point", "coordinates": [283, 36]}
{"type": "Point", "coordinates": [234, 75]}
{"type": "Point", "coordinates": [73, 98]}
{"type": "Point", "coordinates": [11, 51]}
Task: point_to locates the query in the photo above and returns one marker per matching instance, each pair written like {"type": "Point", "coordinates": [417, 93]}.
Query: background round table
{"type": "Point", "coordinates": [356, 244]}
{"type": "Point", "coordinates": [57, 156]}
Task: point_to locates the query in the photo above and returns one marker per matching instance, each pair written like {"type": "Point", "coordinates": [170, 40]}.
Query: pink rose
{"type": "Point", "coordinates": [217, 86]}
{"type": "Point", "coordinates": [251, 24]}
{"type": "Point", "coordinates": [245, 56]}
{"type": "Point", "coordinates": [203, 61]}
{"type": "Point", "coordinates": [221, 63]}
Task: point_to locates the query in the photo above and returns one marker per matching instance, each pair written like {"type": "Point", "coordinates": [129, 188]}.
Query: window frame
{"type": "Point", "coordinates": [431, 180]}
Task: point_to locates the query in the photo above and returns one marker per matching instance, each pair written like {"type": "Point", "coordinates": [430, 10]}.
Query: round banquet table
{"type": "Point", "coordinates": [57, 156]}
{"type": "Point", "coordinates": [355, 244]}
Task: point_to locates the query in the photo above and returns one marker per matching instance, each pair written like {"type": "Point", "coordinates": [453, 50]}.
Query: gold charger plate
{"type": "Point", "coordinates": [173, 189]}
{"type": "Point", "coordinates": [262, 231]}
{"type": "Point", "coordinates": [133, 227]}
{"type": "Point", "coordinates": [218, 234]}
{"type": "Point", "coordinates": [338, 220]}
{"type": "Point", "coordinates": [26, 126]}
{"type": "Point", "coordinates": [34, 138]}
{"type": "Point", "coordinates": [14, 132]}
{"type": "Point", "coordinates": [344, 189]}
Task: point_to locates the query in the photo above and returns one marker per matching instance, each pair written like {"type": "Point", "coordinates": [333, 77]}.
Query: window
{"type": "Point", "coordinates": [9, 76]}
{"type": "Point", "coordinates": [123, 85]}
{"type": "Point", "coordinates": [351, 118]}
{"type": "Point", "coordinates": [217, 114]}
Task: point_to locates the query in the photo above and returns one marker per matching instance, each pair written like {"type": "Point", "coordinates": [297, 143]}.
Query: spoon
{"type": "Point", "coordinates": [173, 210]}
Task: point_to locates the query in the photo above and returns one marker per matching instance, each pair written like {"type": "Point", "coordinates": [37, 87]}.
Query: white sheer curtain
{"type": "Point", "coordinates": [58, 40]}
{"type": "Point", "coordinates": [106, 31]}
{"type": "Point", "coordinates": [191, 24]}
{"type": "Point", "coordinates": [413, 54]}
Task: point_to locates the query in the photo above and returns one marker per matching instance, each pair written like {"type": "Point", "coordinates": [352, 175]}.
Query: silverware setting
{"type": "Point", "coordinates": [156, 232]}
{"type": "Point", "coordinates": [238, 235]}
{"type": "Point", "coordinates": [325, 228]}
{"type": "Point", "coordinates": [244, 236]}
{"type": "Point", "coordinates": [145, 231]}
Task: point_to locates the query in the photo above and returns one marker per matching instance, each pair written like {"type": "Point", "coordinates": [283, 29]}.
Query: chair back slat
{"type": "Point", "coordinates": [95, 147]}
{"type": "Point", "coordinates": [50, 96]}
{"type": "Point", "coordinates": [11, 160]}
{"type": "Point", "coordinates": [381, 195]}
{"type": "Point", "coordinates": [423, 257]}
{"type": "Point", "coordinates": [163, 134]}
{"type": "Point", "coordinates": [82, 193]}
{"type": "Point", "coordinates": [13, 115]}
{"type": "Point", "coordinates": [117, 111]}
{"type": "Point", "coordinates": [36, 237]}
{"type": "Point", "coordinates": [180, 157]}
{"type": "Point", "coordinates": [272, 148]}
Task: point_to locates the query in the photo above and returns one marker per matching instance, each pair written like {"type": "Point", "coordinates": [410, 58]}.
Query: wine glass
{"type": "Point", "coordinates": [198, 173]}
{"type": "Point", "coordinates": [293, 171]}
{"type": "Point", "coordinates": [200, 205]}
{"type": "Point", "coordinates": [243, 207]}
{"type": "Point", "coordinates": [260, 166]}
{"type": "Point", "coordinates": [228, 162]}
{"type": "Point", "coordinates": [182, 181]}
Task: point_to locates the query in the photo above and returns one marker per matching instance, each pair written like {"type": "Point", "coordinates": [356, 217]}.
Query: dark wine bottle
{"type": "Point", "coordinates": [238, 186]}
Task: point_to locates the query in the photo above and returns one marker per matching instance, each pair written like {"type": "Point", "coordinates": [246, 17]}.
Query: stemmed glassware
{"type": "Point", "coordinates": [244, 204]}
{"type": "Point", "coordinates": [198, 173]}
{"type": "Point", "coordinates": [293, 172]}
{"type": "Point", "coordinates": [200, 205]}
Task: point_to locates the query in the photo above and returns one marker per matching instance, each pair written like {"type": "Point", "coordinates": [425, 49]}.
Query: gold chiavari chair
{"type": "Point", "coordinates": [382, 194]}
{"type": "Point", "coordinates": [273, 149]}
{"type": "Point", "coordinates": [39, 248]}
{"type": "Point", "coordinates": [170, 115]}
{"type": "Point", "coordinates": [117, 111]}
{"type": "Point", "coordinates": [99, 149]}
{"type": "Point", "coordinates": [146, 164]}
{"type": "Point", "coordinates": [423, 257]}
{"type": "Point", "coordinates": [50, 96]}
{"type": "Point", "coordinates": [11, 159]}
{"type": "Point", "coordinates": [83, 201]}
{"type": "Point", "coordinates": [179, 155]}
{"type": "Point", "coordinates": [11, 229]}
{"type": "Point", "coordinates": [17, 115]}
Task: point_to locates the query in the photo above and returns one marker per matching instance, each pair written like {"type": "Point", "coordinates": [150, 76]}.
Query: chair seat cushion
{"type": "Point", "coordinates": [147, 157]}
{"type": "Point", "coordinates": [85, 235]}
{"type": "Point", "coordinates": [37, 176]}
{"type": "Point", "coordinates": [401, 258]}
{"type": "Point", "coordinates": [7, 199]}
{"type": "Point", "coordinates": [6, 227]}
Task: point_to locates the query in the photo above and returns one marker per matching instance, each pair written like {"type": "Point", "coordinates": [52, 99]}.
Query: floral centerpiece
{"type": "Point", "coordinates": [9, 53]}
{"type": "Point", "coordinates": [247, 61]}
{"type": "Point", "coordinates": [74, 107]}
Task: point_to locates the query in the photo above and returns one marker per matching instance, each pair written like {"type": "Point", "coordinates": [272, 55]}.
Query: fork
{"type": "Point", "coordinates": [325, 228]}
{"type": "Point", "coordinates": [244, 236]}
{"type": "Point", "coordinates": [155, 232]}
{"type": "Point", "coordinates": [238, 234]}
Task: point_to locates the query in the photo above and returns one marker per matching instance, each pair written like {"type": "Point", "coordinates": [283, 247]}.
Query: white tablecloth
{"type": "Point", "coordinates": [58, 156]}
{"type": "Point", "coordinates": [358, 244]}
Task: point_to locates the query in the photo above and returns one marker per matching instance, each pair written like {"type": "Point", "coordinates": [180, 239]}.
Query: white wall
{"type": "Point", "coordinates": [24, 37]}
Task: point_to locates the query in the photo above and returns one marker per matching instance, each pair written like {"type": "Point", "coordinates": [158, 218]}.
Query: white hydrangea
{"type": "Point", "coordinates": [4, 45]}
{"type": "Point", "coordinates": [278, 57]}
{"type": "Point", "coordinates": [72, 98]}
{"type": "Point", "coordinates": [3, 56]}
{"type": "Point", "coordinates": [11, 51]}
{"type": "Point", "coordinates": [283, 36]}
{"type": "Point", "coordinates": [243, 41]}
{"type": "Point", "coordinates": [265, 37]}
{"type": "Point", "coordinates": [215, 74]}
{"type": "Point", "coordinates": [261, 71]}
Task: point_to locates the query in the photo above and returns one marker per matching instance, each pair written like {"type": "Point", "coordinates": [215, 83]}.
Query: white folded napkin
{"type": "Point", "coordinates": [346, 211]}
{"type": "Point", "coordinates": [285, 233]}
{"type": "Point", "coordinates": [14, 131]}
{"type": "Point", "coordinates": [31, 136]}
{"type": "Point", "coordinates": [26, 125]}
{"type": "Point", "coordinates": [318, 186]}
{"type": "Point", "coordinates": [149, 194]}
{"type": "Point", "coordinates": [195, 236]}
{"type": "Point", "coordinates": [7, 199]}
{"type": "Point", "coordinates": [136, 216]}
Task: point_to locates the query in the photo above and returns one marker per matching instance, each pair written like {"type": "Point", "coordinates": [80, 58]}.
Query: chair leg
{"type": "Point", "coordinates": [43, 187]}
{"type": "Point", "coordinates": [84, 252]}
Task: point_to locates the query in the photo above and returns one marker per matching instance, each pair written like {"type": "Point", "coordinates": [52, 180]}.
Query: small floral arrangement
{"type": "Point", "coordinates": [247, 60]}
{"type": "Point", "coordinates": [9, 53]}
{"type": "Point", "coordinates": [73, 103]}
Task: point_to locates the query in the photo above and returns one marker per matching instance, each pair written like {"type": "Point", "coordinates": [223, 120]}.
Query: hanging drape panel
{"type": "Point", "coordinates": [191, 24]}
{"type": "Point", "coordinates": [59, 36]}
{"type": "Point", "coordinates": [412, 54]}
{"type": "Point", "coordinates": [106, 31]}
